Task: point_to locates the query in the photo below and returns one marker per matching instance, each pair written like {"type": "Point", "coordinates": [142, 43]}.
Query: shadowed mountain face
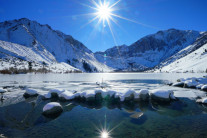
{"type": "Point", "coordinates": [52, 46]}
{"type": "Point", "coordinates": [148, 51]}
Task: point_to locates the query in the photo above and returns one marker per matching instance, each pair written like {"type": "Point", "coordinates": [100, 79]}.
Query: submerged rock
{"type": "Point", "coordinates": [137, 115]}
{"type": "Point", "coordinates": [52, 108]}
{"type": "Point", "coordinates": [30, 93]}
{"type": "Point", "coordinates": [162, 95]}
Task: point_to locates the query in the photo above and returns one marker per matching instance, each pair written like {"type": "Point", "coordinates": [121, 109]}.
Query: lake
{"type": "Point", "coordinates": [21, 117]}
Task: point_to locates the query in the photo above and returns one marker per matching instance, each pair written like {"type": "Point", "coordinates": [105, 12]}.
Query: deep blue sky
{"type": "Point", "coordinates": [65, 15]}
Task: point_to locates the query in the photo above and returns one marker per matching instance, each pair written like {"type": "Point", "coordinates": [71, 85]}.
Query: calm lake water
{"type": "Point", "coordinates": [23, 118]}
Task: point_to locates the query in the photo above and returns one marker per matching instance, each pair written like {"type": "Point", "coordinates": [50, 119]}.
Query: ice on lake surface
{"type": "Point", "coordinates": [23, 118]}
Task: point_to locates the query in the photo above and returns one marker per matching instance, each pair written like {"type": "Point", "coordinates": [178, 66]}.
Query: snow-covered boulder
{"type": "Point", "coordinates": [162, 95]}
{"type": "Point", "coordinates": [2, 90]}
{"type": "Point", "coordinates": [52, 108]}
{"type": "Point", "coordinates": [128, 95]}
{"type": "Point", "coordinates": [191, 83]}
{"type": "Point", "coordinates": [204, 88]}
{"type": "Point", "coordinates": [30, 93]}
{"type": "Point", "coordinates": [143, 95]}
{"type": "Point", "coordinates": [56, 92]}
{"type": "Point", "coordinates": [88, 95]}
{"type": "Point", "coordinates": [203, 100]}
{"type": "Point", "coordinates": [199, 86]}
{"type": "Point", "coordinates": [53, 93]}
{"type": "Point", "coordinates": [67, 96]}
{"type": "Point", "coordinates": [178, 84]}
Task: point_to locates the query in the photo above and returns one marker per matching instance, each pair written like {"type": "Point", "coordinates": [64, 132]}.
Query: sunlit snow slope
{"type": "Point", "coordinates": [35, 42]}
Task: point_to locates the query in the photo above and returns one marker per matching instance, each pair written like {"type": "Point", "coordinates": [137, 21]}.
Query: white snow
{"type": "Point", "coordinates": [57, 91]}
{"type": "Point", "coordinates": [51, 105]}
{"type": "Point", "coordinates": [166, 94]}
{"type": "Point", "coordinates": [204, 87]}
{"type": "Point", "coordinates": [199, 83]}
{"type": "Point", "coordinates": [203, 100]}
{"type": "Point", "coordinates": [193, 62]}
{"type": "Point", "coordinates": [199, 86]}
{"type": "Point", "coordinates": [191, 83]}
{"type": "Point", "coordinates": [31, 91]}
{"type": "Point", "coordinates": [42, 43]}
{"type": "Point", "coordinates": [53, 91]}
{"type": "Point", "coordinates": [67, 95]}
{"type": "Point", "coordinates": [2, 90]}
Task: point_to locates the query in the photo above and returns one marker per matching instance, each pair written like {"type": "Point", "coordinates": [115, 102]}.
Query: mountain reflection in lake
{"type": "Point", "coordinates": [23, 118]}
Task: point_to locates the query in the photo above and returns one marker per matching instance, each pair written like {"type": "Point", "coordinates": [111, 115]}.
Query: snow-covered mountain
{"type": "Point", "coordinates": [23, 41]}
{"type": "Point", "coordinates": [149, 51]}
{"type": "Point", "coordinates": [31, 41]}
{"type": "Point", "coordinates": [193, 58]}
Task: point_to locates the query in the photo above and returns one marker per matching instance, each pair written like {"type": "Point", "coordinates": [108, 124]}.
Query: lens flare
{"type": "Point", "coordinates": [104, 12]}
{"type": "Point", "coordinates": [104, 134]}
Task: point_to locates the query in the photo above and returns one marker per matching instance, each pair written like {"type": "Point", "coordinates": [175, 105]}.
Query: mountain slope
{"type": "Point", "coordinates": [149, 51]}
{"type": "Point", "coordinates": [49, 45]}
{"type": "Point", "coordinates": [191, 59]}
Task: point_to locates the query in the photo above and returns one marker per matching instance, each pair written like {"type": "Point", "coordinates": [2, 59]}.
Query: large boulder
{"type": "Point", "coordinates": [30, 93]}
{"type": "Point", "coordinates": [52, 109]}
{"type": "Point", "coordinates": [162, 95]}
